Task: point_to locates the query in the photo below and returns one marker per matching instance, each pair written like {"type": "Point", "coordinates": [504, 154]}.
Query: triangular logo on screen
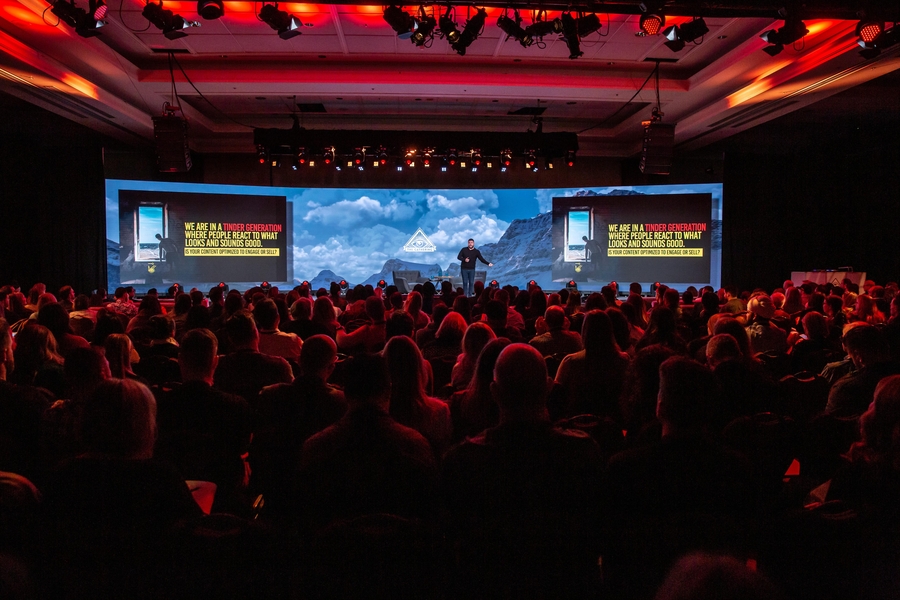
{"type": "Point", "coordinates": [419, 242]}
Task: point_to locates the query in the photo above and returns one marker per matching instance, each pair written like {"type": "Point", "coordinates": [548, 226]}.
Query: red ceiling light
{"type": "Point", "coordinates": [652, 23]}
{"type": "Point", "coordinates": [868, 30]}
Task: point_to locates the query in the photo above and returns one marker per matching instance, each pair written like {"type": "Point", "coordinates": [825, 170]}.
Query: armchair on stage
{"type": "Point", "coordinates": [479, 276]}
{"type": "Point", "coordinates": [406, 280]}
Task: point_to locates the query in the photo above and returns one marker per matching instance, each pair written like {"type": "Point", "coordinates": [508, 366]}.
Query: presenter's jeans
{"type": "Point", "coordinates": [468, 281]}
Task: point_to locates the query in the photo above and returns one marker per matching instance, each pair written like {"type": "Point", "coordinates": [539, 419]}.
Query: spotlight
{"type": "Point", "coordinates": [476, 158]}
{"type": "Point", "coordinates": [687, 33]}
{"type": "Point", "coordinates": [570, 158]}
{"type": "Point", "coordinates": [868, 30]}
{"type": "Point", "coordinates": [426, 157]}
{"type": "Point", "coordinates": [286, 24]}
{"type": "Point", "coordinates": [570, 32]}
{"type": "Point", "coordinates": [448, 27]}
{"type": "Point", "coordinates": [793, 30]}
{"type": "Point", "coordinates": [302, 158]}
{"type": "Point", "coordinates": [265, 286]}
{"type": "Point", "coordinates": [344, 285]}
{"type": "Point", "coordinates": [382, 156]}
{"type": "Point", "coordinates": [506, 158]}
{"type": "Point", "coordinates": [85, 23]}
{"type": "Point", "coordinates": [382, 283]}
{"type": "Point", "coordinates": [651, 24]}
{"type": "Point", "coordinates": [539, 29]}
{"type": "Point", "coordinates": [513, 29]}
{"type": "Point", "coordinates": [410, 157]}
{"type": "Point", "coordinates": [172, 25]}
{"type": "Point", "coordinates": [452, 158]}
{"type": "Point", "coordinates": [261, 154]}
{"type": "Point", "coordinates": [425, 28]}
{"type": "Point", "coordinates": [530, 161]}
{"type": "Point", "coordinates": [400, 21]}
{"type": "Point", "coordinates": [470, 32]}
{"type": "Point", "coordinates": [210, 9]}
{"type": "Point", "coordinates": [360, 156]}
{"type": "Point", "coordinates": [328, 156]}
{"type": "Point", "coordinates": [588, 24]}
{"type": "Point", "coordinates": [224, 286]}
{"type": "Point", "coordinates": [530, 285]}
{"type": "Point", "coordinates": [884, 40]}
{"type": "Point", "coordinates": [494, 284]}
{"type": "Point", "coordinates": [572, 286]}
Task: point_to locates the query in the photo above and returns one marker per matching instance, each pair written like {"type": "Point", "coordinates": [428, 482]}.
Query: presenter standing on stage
{"type": "Point", "coordinates": [467, 257]}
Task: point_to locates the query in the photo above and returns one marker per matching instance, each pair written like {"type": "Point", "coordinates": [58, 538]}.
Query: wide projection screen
{"type": "Point", "coordinates": [196, 235]}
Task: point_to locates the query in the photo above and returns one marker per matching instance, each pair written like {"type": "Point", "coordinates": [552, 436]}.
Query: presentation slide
{"type": "Point", "coordinates": [196, 235]}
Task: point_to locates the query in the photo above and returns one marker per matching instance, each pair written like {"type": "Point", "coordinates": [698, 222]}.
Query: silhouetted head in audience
{"type": "Point", "coordinates": [119, 420]}
{"type": "Point", "coordinates": [399, 323]}
{"type": "Point", "coordinates": [375, 309]}
{"type": "Point", "coordinates": [555, 318]}
{"type": "Point", "coordinates": [815, 326]}
{"type": "Point", "coordinates": [496, 314]}
{"type": "Point", "coordinates": [621, 330]}
{"type": "Point", "coordinates": [233, 302]}
{"type": "Point", "coordinates": [879, 427]}
{"type": "Point", "coordinates": [317, 357]}
{"type": "Point", "coordinates": [197, 318]}
{"type": "Point", "coordinates": [688, 395]}
{"type": "Point", "coordinates": [408, 376]}
{"type": "Point", "coordinates": [118, 352]}
{"type": "Point", "coordinates": [161, 327]}
{"type": "Point", "coordinates": [265, 313]}
{"type": "Point", "coordinates": [301, 309]}
{"type": "Point", "coordinates": [323, 311]}
{"type": "Point", "coordinates": [641, 386]}
{"type": "Point", "coordinates": [609, 294]}
{"type": "Point", "coordinates": [635, 288]}
{"type": "Point", "coordinates": [242, 331]}
{"type": "Point", "coordinates": [866, 346]}
{"type": "Point", "coordinates": [55, 318]}
{"type": "Point", "coordinates": [720, 348]}
{"type": "Point", "coordinates": [35, 348]}
{"type": "Point", "coordinates": [671, 299]}
{"type": "Point", "coordinates": [521, 384]}
{"type": "Point", "coordinates": [85, 369]}
{"type": "Point", "coordinates": [367, 382]}
{"type": "Point", "coordinates": [197, 357]}
{"type": "Point", "coordinates": [597, 335]}
{"type": "Point", "coordinates": [734, 328]}
{"type": "Point", "coordinates": [150, 306]}
{"type": "Point", "coordinates": [196, 297]}
{"type": "Point", "coordinates": [709, 577]}
{"type": "Point", "coordinates": [595, 301]}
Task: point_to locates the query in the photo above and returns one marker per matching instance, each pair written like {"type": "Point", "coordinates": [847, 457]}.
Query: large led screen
{"type": "Point", "coordinates": [200, 234]}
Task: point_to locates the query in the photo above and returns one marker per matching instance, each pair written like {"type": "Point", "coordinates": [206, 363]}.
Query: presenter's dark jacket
{"type": "Point", "coordinates": [472, 254]}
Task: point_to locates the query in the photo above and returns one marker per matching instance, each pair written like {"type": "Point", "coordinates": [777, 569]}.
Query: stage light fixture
{"type": "Point", "coordinates": [476, 158]}
{"type": "Point", "coordinates": [344, 285]}
{"type": "Point", "coordinates": [382, 156]}
{"type": "Point", "coordinates": [382, 283]}
{"type": "Point", "coordinates": [470, 32]}
{"type": "Point", "coordinates": [884, 40]}
{"type": "Point", "coordinates": [587, 24]}
{"type": "Point", "coordinates": [540, 28]}
{"type": "Point", "coordinates": [210, 9]}
{"type": "Point", "coordinates": [261, 154]}
{"type": "Point", "coordinates": [506, 158]}
{"type": "Point", "coordinates": [572, 286]}
{"type": "Point", "coordinates": [513, 29]}
{"type": "Point", "coordinates": [400, 21]}
{"type": "Point", "coordinates": [265, 286]}
{"type": "Point", "coordinates": [494, 284]}
{"type": "Point", "coordinates": [452, 158]}
{"type": "Point", "coordinates": [328, 156]}
{"type": "Point", "coordinates": [651, 23]}
{"type": "Point", "coordinates": [868, 30]}
{"type": "Point", "coordinates": [302, 157]}
{"type": "Point", "coordinates": [570, 158]}
{"type": "Point", "coordinates": [679, 36]}
{"type": "Point", "coordinates": [793, 30]}
{"type": "Point", "coordinates": [172, 25]}
{"type": "Point", "coordinates": [425, 25]}
{"type": "Point", "coordinates": [286, 24]}
{"type": "Point", "coordinates": [448, 27]}
{"type": "Point", "coordinates": [427, 156]}
{"type": "Point", "coordinates": [86, 23]}
{"type": "Point", "coordinates": [359, 157]}
{"type": "Point", "coordinates": [549, 164]}
{"type": "Point", "coordinates": [570, 32]}
{"type": "Point", "coordinates": [410, 157]}
{"type": "Point", "coordinates": [530, 161]}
